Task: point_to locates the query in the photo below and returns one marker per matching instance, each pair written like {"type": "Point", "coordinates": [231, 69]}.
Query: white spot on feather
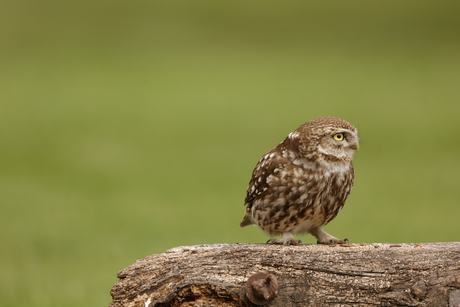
{"type": "Point", "coordinates": [147, 304]}
{"type": "Point", "coordinates": [294, 134]}
{"type": "Point", "coordinates": [270, 178]}
{"type": "Point", "coordinates": [288, 154]}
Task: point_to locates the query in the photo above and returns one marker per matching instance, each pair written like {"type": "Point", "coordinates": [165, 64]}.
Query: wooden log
{"type": "Point", "coordinates": [306, 275]}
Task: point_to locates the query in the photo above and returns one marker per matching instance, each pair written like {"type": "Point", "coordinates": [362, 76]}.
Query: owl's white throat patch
{"type": "Point", "coordinates": [336, 167]}
{"type": "Point", "coordinates": [335, 153]}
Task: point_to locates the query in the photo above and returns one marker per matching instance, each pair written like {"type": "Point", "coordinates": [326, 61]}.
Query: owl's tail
{"type": "Point", "coordinates": [247, 221]}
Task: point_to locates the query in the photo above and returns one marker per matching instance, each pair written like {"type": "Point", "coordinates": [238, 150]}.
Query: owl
{"type": "Point", "coordinates": [301, 185]}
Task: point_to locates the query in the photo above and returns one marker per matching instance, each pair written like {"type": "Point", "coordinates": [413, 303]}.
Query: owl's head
{"type": "Point", "coordinates": [328, 139]}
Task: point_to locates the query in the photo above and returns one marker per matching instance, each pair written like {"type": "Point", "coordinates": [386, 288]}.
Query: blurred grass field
{"type": "Point", "coordinates": [127, 128]}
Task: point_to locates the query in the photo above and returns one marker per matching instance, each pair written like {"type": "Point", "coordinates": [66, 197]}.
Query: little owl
{"type": "Point", "coordinates": [301, 185]}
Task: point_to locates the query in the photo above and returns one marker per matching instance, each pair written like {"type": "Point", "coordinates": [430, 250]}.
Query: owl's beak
{"type": "Point", "coordinates": [355, 146]}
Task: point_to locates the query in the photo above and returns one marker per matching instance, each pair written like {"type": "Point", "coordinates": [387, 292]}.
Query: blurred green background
{"type": "Point", "coordinates": [130, 127]}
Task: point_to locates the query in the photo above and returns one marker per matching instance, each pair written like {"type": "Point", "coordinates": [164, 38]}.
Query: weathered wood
{"type": "Point", "coordinates": [307, 275]}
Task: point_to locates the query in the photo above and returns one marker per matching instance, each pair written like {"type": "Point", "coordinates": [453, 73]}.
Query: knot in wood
{"type": "Point", "coordinates": [419, 290]}
{"type": "Point", "coordinates": [261, 288]}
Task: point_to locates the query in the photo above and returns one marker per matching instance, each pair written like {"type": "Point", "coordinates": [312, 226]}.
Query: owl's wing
{"type": "Point", "coordinates": [270, 165]}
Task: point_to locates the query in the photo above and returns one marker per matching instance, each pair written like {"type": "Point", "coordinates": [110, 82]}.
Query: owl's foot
{"type": "Point", "coordinates": [334, 241]}
{"type": "Point", "coordinates": [287, 239]}
{"type": "Point", "coordinates": [284, 242]}
{"type": "Point", "coordinates": [325, 238]}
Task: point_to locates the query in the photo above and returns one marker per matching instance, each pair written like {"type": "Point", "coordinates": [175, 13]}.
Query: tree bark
{"type": "Point", "coordinates": [306, 275]}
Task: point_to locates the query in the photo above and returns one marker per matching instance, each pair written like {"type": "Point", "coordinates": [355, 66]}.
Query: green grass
{"type": "Point", "coordinates": [128, 129]}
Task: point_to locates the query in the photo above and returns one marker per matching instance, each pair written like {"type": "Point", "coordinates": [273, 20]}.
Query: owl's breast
{"type": "Point", "coordinates": [301, 199]}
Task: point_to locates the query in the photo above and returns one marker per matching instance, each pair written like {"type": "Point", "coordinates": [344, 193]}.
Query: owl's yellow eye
{"type": "Point", "coordinates": [338, 137]}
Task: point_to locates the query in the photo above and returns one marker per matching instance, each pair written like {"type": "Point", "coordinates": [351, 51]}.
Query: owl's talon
{"type": "Point", "coordinates": [332, 241]}
{"type": "Point", "coordinates": [293, 242]}
{"type": "Point", "coordinates": [284, 242]}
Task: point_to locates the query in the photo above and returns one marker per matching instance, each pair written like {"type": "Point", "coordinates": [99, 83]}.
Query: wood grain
{"type": "Point", "coordinates": [308, 275]}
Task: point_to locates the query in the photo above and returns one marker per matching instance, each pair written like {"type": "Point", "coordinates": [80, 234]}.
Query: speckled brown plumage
{"type": "Point", "coordinates": [301, 185]}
